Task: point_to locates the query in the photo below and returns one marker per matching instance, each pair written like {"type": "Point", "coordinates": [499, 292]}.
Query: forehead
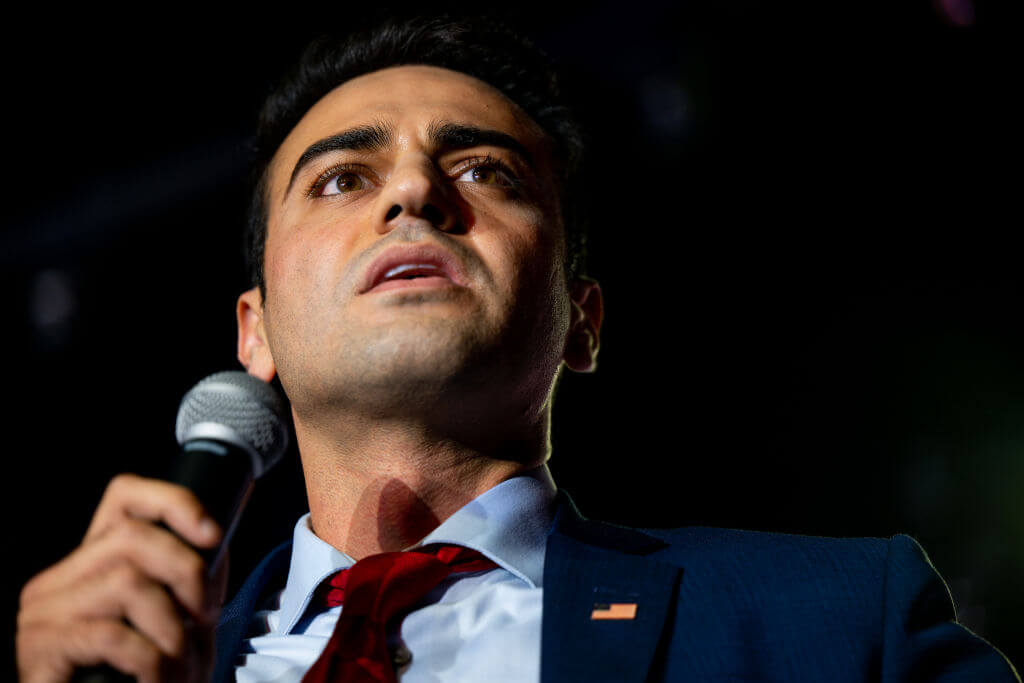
{"type": "Point", "coordinates": [410, 98]}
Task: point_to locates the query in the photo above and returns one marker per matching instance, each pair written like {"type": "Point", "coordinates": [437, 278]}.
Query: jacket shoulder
{"type": "Point", "coordinates": [881, 596]}
{"type": "Point", "coordinates": [795, 552]}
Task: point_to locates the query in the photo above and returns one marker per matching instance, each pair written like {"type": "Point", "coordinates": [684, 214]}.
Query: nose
{"type": "Point", "coordinates": [416, 190]}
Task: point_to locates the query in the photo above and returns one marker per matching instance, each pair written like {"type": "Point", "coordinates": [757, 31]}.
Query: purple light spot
{"type": "Point", "coordinates": [956, 12]}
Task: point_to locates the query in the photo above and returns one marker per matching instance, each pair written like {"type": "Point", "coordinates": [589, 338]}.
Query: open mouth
{"type": "Point", "coordinates": [412, 271]}
{"type": "Point", "coordinates": [418, 266]}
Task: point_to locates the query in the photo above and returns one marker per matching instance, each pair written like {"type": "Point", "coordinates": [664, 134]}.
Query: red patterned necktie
{"type": "Point", "coordinates": [374, 590]}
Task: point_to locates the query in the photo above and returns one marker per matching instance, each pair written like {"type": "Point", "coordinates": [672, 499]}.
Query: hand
{"type": "Point", "coordinates": [133, 594]}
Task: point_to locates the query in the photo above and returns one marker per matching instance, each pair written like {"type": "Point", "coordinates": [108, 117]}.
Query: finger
{"type": "Point", "coordinates": [155, 552]}
{"type": "Point", "coordinates": [50, 653]}
{"type": "Point", "coordinates": [124, 593]}
{"type": "Point", "coordinates": [131, 496]}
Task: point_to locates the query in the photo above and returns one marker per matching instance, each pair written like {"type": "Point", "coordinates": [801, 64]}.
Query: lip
{"type": "Point", "coordinates": [449, 269]}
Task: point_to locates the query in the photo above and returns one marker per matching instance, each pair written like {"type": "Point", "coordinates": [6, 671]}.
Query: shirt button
{"type": "Point", "coordinates": [401, 656]}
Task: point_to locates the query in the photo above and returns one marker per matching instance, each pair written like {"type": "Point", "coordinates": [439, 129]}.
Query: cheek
{"type": "Point", "coordinates": [304, 256]}
{"type": "Point", "coordinates": [522, 252]}
{"type": "Point", "coordinates": [527, 260]}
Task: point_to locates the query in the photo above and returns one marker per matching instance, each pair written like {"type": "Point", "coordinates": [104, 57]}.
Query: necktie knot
{"type": "Point", "coordinates": [459, 559]}
{"type": "Point", "coordinates": [374, 590]}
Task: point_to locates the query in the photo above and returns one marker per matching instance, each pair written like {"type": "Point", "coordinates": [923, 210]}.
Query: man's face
{"type": "Point", "coordinates": [414, 247]}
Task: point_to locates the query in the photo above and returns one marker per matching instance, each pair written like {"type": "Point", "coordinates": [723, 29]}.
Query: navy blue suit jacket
{"type": "Point", "coordinates": [723, 605]}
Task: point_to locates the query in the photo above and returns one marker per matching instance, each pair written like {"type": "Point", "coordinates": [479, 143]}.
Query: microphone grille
{"type": "Point", "coordinates": [236, 407]}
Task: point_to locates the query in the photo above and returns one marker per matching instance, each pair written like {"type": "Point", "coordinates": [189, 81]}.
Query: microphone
{"type": "Point", "coordinates": [232, 429]}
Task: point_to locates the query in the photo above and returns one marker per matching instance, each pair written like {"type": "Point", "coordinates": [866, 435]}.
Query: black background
{"type": "Point", "coordinates": [806, 222]}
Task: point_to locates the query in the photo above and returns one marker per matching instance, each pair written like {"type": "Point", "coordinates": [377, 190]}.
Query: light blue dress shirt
{"type": "Point", "coordinates": [481, 626]}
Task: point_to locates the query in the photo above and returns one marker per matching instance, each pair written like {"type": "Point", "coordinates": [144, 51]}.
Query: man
{"type": "Point", "coordinates": [417, 293]}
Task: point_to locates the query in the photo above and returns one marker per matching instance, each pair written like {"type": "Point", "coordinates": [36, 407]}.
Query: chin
{"type": "Point", "coordinates": [401, 367]}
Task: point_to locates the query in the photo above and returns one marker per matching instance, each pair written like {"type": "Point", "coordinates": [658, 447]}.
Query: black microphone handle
{"type": "Point", "coordinates": [220, 474]}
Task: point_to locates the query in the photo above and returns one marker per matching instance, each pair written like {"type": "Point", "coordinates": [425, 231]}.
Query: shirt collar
{"type": "Point", "coordinates": [508, 523]}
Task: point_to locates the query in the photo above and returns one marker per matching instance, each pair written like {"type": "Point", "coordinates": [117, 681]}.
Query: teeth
{"type": "Point", "coordinates": [406, 267]}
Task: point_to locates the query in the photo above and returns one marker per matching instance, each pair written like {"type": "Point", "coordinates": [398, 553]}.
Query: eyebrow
{"type": "Point", "coordinates": [460, 136]}
{"type": "Point", "coordinates": [377, 136]}
{"type": "Point", "coordinates": [369, 138]}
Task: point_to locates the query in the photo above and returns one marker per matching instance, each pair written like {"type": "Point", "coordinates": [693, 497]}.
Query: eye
{"type": "Point", "coordinates": [482, 175]}
{"type": "Point", "coordinates": [488, 171]}
{"type": "Point", "coordinates": [340, 183]}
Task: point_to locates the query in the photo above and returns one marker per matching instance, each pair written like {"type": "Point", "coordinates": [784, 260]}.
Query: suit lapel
{"type": "Point", "coordinates": [590, 564]}
{"type": "Point", "coordinates": [237, 615]}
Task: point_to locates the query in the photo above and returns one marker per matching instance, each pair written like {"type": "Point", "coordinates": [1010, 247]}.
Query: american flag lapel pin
{"type": "Point", "coordinates": [613, 610]}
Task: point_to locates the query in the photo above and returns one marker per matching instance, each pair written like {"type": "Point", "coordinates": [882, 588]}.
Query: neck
{"type": "Point", "coordinates": [382, 485]}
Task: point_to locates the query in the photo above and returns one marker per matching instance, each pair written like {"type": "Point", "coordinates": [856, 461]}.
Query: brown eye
{"type": "Point", "coordinates": [489, 171]}
{"type": "Point", "coordinates": [342, 183]}
{"type": "Point", "coordinates": [485, 175]}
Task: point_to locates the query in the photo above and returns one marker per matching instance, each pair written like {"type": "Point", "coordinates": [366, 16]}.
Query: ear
{"type": "Point", "coordinates": [583, 340]}
{"type": "Point", "coordinates": [253, 350]}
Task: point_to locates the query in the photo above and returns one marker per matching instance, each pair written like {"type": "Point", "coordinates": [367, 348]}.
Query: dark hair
{"type": "Point", "coordinates": [481, 47]}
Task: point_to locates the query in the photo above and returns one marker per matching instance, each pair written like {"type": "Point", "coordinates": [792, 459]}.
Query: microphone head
{"type": "Point", "coordinates": [239, 409]}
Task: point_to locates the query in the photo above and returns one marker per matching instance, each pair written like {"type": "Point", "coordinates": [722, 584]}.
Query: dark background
{"type": "Point", "coordinates": [806, 222]}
